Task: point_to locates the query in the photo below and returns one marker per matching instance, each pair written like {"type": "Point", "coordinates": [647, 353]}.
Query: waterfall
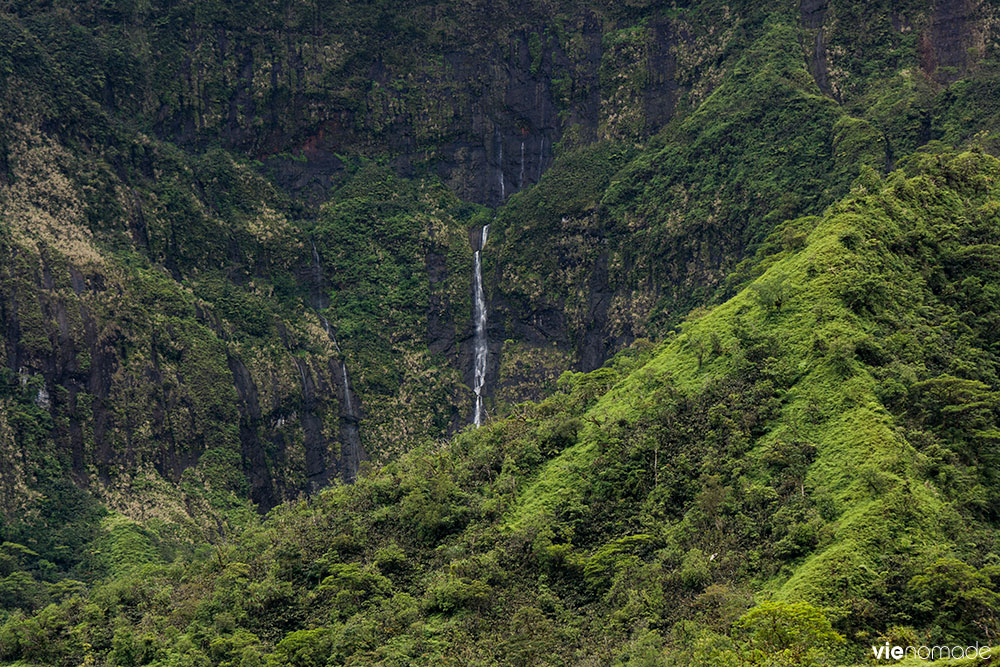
{"type": "Point", "coordinates": [329, 334]}
{"type": "Point", "coordinates": [479, 315]}
{"type": "Point", "coordinates": [503, 190]}
{"type": "Point", "coordinates": [347, 391]}
{"type": "Point", "coordinates": [317, 269]}
{"type": "Point", "coordinates": [352, 452]}
{"type": "Point", "coordinates": [318, 302]}
{"type": "Point", "coordinates": [520, 178]}
{"type": "Point", "coordinates": [306, 390]}
{"type": "Point", "coordinates": [499, 142]}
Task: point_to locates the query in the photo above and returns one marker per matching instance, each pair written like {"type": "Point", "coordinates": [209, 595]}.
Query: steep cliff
{"type": "Point", "coordinates": [237, 239]}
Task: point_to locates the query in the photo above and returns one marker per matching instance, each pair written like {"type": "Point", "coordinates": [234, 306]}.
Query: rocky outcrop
{"type": "Point", "coordinates": [127, 390]}
{"type": "Point", "coordinates": [954, 41]}
{"type": "Point", "coordinates": [484, 114]}
{"type": "Point", "coordinates": [813, 13]}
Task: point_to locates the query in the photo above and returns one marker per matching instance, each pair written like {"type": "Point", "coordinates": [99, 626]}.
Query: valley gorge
{"type": "Point", "coordinates": [497, 333]}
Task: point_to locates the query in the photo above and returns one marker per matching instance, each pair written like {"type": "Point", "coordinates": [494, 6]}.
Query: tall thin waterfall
{"type": "Point", "coordinates": [352, 452]}
{"type": "Point", "coordinates": [317, 269]}
{"type": "Point", "coordinates": [499, 143]}
{"type": "Point", "coordinates": [503, 188]}
{"type": "Point", "coordinates": [479, 315]}
{"type": "Point", "coordinates": [318, 304]}
{"type": "Point", "coordinates": [347, 391]}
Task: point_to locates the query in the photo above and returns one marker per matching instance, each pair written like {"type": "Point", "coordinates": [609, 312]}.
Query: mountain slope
{"type": "Point", "coordinates": [167, 155]}
{"type": "Point", "coordinates": [826, 437]}
{"type": "Point", "coordinates": [236, 250]}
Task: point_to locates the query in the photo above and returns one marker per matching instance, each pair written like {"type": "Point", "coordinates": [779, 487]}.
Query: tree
{"type": "Point", "coordinates": [785, 633]}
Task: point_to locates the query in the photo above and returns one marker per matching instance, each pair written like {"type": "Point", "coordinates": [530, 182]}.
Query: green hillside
{"type": "Point", "coordinates": [820, 448]}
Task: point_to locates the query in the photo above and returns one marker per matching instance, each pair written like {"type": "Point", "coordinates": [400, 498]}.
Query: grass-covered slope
{"type": "Point", "coordinates": [818, 454]}
{"type": "Point", "coordinates": [618, 240]}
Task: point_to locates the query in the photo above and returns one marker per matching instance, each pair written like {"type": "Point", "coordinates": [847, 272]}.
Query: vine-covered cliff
{"type": "Point", "coordinates": [237, 268]}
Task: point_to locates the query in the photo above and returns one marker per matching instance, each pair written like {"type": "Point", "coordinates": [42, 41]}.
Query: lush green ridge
{"type": "Point", "coordinates": [811, 441]}
{"type": "Point", "coordinates": [668, 223]}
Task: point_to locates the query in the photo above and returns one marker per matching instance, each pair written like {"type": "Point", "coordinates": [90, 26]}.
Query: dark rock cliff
{"type": "Point", "coordinates": [189, 223]}
{"type": "Point", "coordinates": [483, 108]}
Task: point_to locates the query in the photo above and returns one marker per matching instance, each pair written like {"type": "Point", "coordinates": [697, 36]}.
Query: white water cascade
{"type": "Point", "coordinates": [503, 189]}
{"type": "Point", "coordinates": [318, 305]}
{"type": "Point", "coordinates": [479, 315]}
{"type": "Point", "coordinates": [317, 269]}
{"type": "Point", "coordinates": [498, 140]}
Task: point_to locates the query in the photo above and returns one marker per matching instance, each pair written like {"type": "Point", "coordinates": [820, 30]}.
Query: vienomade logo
{"type": "Point", "coordinates": [887, 652]}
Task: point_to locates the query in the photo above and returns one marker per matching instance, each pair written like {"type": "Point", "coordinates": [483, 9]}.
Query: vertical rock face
{"type": "Point", "coordinates": [845, 41]}
{"type": "Point", "coordinates": [812, 16]}
{"type": "Point", "coordinates": [660, 95]}
{"type": "Point", "coordinates": [596, 345]}
{"type": "Point", "coordinates": [352, 452]}
{"type": "Point", "coordinates": [299, 97]}
{"type": "Point", "coordinates": [47, 331]}
{"type": "Point", "coordinates": [481, 157]}
{"type": "Point", "coordinates": [120, 381]}
{"type": "Point", "coordinates": [955, 39]}
{"type": "Point", "coordinates": [813, 13]}
{"type": "Point", "coordinates": [317, 466]}
{"type": "Point", "coordinates": [262, 489]}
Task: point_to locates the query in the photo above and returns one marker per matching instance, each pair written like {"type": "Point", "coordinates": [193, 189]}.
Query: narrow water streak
{"type": "Point", "coordinates": [352, 452]}
{"type": "Point", "coordinates": [317, 269]}
{"type": "Point", "coordinates": [347, 390]}
{"type": "Point", "coordinates": [479, 315]}
{"type": "Point", "coordinates": [503, 189]}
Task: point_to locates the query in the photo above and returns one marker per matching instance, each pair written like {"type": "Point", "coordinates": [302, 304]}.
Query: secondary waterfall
{"type": "Point", "coordinates": [347, 391]}
{"type": "Point", "coordinates": [503, 189]}
{"type": "Point", "coordinates": [352, 452]}
{"type": "Point", "coordinates": [317, 269]}
{"type": "Point", "coordinates": [499, 143]}
{"type": "Point", "coordinates": [479, 315]}
{"type": "Point", "coordinates": [318, 301]}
